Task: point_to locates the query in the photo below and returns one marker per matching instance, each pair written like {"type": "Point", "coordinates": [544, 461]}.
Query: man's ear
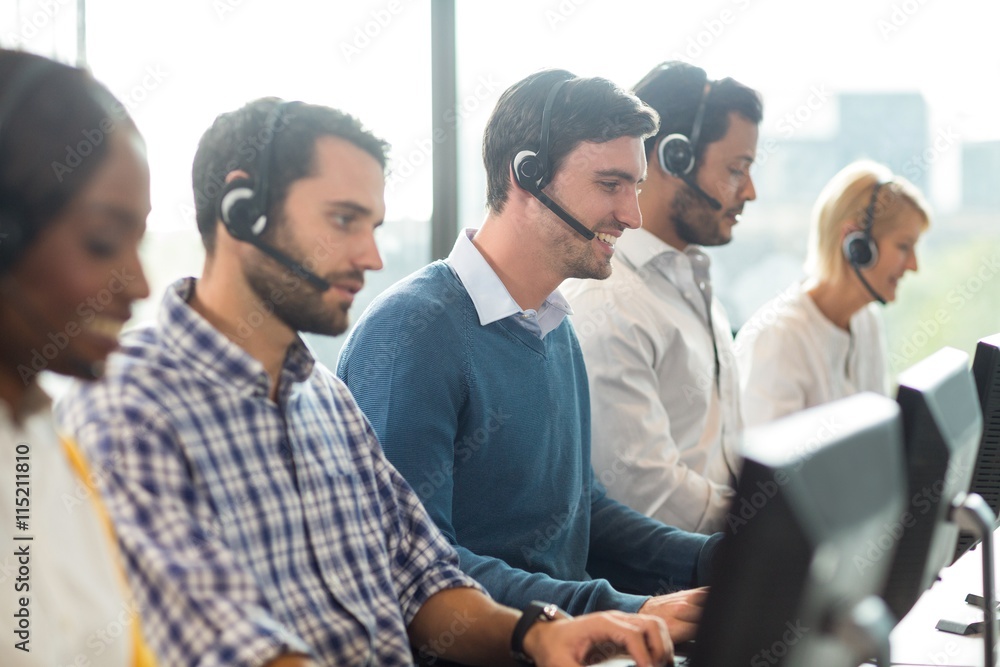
{"type": "Point", "coordinates": [236, 173]}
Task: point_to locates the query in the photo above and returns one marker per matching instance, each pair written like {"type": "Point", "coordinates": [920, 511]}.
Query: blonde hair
{"type": "Point", "coordinates": [846, 197]}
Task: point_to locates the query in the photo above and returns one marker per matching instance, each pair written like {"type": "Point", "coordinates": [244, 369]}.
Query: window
{"type": "Point", "coordinates": [901, 81]}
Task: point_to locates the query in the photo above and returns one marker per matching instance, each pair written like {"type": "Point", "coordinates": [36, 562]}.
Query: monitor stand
{"type": "Point", "coordinates": [866, 627]}
{"type": "Point", "coordinates": [972, 513]}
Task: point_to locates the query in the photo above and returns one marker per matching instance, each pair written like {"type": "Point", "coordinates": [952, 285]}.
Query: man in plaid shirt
{"type": "Point", "coordinates": [260, 522]}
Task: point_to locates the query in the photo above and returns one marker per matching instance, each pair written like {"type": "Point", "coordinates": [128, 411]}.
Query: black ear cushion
{"type": "Point", "coordinates": [676, 155]}
{"type": "Point", "coordinates": [238, 209]}
{"type": "Point", "coordinates": [860, 250]}
{"type": "Point", "coordinates": [528, 170]}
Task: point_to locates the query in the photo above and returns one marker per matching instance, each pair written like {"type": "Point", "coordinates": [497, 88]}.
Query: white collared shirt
{"type": "Point", "coordinates": [665, 414]}
{"type": "Point", "coordinates": [791, 357]}
{"type": "Point", "coordinates": [492, 300]}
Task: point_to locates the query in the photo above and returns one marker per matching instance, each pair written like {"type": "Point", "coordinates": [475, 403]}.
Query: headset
{"type": "Point", "coordinates": [533, 171]}
{"type": "Point", "coordinates": [859, 247]}
{"type": "Point", "coordinates": [243, 204]}
{"type": "Point", "coordinates": [677, 152]}
{"type": "Point", "coordinates": [12, 230]}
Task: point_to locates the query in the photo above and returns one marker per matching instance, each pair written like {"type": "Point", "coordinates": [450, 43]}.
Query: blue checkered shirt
{"type": "Point", "coordinates": [253, 528]}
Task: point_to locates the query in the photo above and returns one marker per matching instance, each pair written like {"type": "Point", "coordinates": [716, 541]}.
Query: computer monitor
{"type": "Point", "coordinates": [809, 537]}
{"type": "Point", "coordinates": [986, 476]}
{"type": "Point", "coordinates": [942, 425]}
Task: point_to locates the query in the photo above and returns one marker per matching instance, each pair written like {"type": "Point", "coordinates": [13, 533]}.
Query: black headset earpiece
{"type": "Point", "coordinates": [677, 152]}
{"type": "Point", "coordinates": [238, 210]}
{"type": "Point", "coordinates": [859, 246]}
{"type": "Point", "coordinates": [243, 204]}
{"type": "Point", "coordinates": [531, 169]}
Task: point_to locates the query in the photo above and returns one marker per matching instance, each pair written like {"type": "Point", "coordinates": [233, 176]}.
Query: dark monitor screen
{"type": "Point", "coordinates": [942, 425]}
{"type": "Point", "coordinates": [809, 535]}
{"type": "Point", "coordinates": [986, 476]}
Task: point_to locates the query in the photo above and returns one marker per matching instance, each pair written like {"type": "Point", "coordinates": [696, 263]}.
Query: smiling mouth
{"type": "Point", "coordinates": [607, 238]}
{"type": "Point", "coordinates": [107, 327]}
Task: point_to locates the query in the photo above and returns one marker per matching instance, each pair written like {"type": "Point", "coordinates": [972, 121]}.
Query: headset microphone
{"type": "Point", "coordinates": [532, 170]}
{"type": "Point", "coordinates": [712, 201]}
{"type": "Point", "coordinates": [871, 290]}
{"type": "Point", "coordinates": [859, 247]}
{"type": "Point", "coordinates": [243, 207]}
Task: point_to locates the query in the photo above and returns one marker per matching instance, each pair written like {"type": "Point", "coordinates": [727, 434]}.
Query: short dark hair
{"type": "Point", "coordinates": [586, 109]}
{"type": "Point", "coordinates": [235, 141]}
{"type": "Point", "coordinates": [675, 88]}
{"type": "Point", "coordinates": [55, 124]}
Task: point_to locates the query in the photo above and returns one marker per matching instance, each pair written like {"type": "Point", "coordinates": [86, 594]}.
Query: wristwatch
{"type": "Point", "coordinates": [533, 613]}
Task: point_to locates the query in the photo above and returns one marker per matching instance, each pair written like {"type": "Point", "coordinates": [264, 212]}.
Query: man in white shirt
{"type": "Point", "coordinates": [657, 344]}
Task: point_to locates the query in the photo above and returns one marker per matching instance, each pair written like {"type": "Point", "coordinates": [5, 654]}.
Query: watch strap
{"type": "Point", "coordinates": [536, 611]}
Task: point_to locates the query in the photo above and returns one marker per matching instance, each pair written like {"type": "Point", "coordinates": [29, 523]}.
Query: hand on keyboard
{"type": "Point", "coordinates": [680, 611]}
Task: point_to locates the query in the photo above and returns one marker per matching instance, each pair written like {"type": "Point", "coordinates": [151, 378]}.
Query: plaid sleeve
{"type": "Point", "coordinates": [423, 562]}
{"type": "Point", "coordinates": [199, 607]}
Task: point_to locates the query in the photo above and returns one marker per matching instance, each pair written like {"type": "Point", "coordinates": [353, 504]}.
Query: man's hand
{"type": "Point", "coordinates": [585, 639]}
{"type": "Point", "coordinates": [680, 611]}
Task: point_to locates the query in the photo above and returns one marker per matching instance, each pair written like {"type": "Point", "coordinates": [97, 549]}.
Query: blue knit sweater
{"type": "Point", "coordinates": [491, 427]}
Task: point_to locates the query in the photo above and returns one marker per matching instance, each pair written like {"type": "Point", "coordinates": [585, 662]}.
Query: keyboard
{"type": "Point", "coordinates": [679, 661]}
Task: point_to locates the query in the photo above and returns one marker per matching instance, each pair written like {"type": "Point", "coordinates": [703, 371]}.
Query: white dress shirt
{"type": "Point", "coordinates": [492, 300]}
{"type": "Point", "coordinates": [791, 357]}
{"type": "Point", "coordinates": [663, 385]}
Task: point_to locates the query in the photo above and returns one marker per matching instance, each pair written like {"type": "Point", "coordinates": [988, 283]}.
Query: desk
{"type": "Point", "coordinates": [915, 641]}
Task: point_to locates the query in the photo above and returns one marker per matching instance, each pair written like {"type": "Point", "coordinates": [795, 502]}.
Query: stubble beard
{"type": "Point", "coordinates": [695, 221]}
{"type": "Point", "coordinates": [301, 306]}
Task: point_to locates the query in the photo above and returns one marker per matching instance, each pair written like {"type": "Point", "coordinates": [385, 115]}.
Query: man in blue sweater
{"type": "Point", "coordinates": [473, 378]}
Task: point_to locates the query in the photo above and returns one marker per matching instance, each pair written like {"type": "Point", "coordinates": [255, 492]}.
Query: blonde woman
{"type": "Point", "coordinates": [823, 339]}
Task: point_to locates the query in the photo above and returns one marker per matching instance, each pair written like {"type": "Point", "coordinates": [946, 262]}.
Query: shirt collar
{"type": "Point", "coordinates": [640, 247]}
{"type": "Point", "coordinates": [207, 350]}
{"type": "Point", "coordinates": [489, 295]}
